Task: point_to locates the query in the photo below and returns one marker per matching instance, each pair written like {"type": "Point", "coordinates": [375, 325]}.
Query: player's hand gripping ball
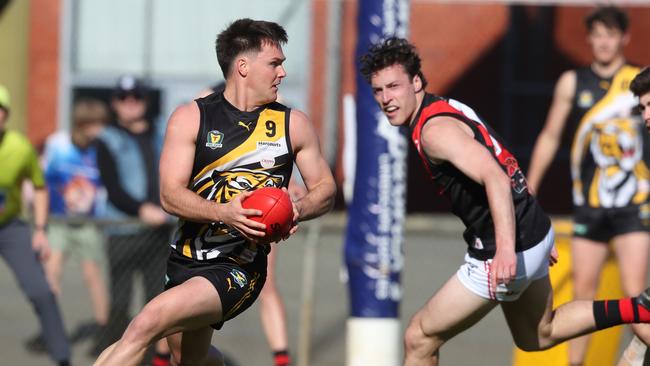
{"type": "Point", "coordinates": [277, 211]}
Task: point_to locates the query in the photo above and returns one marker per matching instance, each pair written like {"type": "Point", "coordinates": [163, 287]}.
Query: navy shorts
{"type": "Point", "coordinates": [238, 285]}
{"type": "Point", "coordinates": [602, 224]}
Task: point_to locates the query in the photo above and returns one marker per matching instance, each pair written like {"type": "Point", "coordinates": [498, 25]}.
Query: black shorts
{"type": "Point", "coordinates": [602, 224]}
{"type": "Point", "coordinates": [238, 285]}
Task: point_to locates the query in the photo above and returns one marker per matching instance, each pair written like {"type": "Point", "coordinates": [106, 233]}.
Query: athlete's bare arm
{"type": "Point", "coordinates": [176, 163]}
{"type": "Point", "coordinates": [313, 168]}
{"type": "Point", "coordinates": [549, 139]}
{"type": "Point", "coordinates": [447, 139]}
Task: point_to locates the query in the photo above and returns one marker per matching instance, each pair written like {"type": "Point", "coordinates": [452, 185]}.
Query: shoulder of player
{"type": "Point", "coordinates": [184, 121]}
{"type": "Point", "coordinates": [568, 77]}
{"type": "Point", "coordinates": [440, 129]}
{"type": "Point", "coordinates": [185, 113]}
{"type": "Point", "coordinates": [566, 84]}
{"type": "Point", "coordinates": [441, 136]}
{"type": "Point", "coordinates": [298, 118]}
{"type": "Point", "coordinates": [301, 131]}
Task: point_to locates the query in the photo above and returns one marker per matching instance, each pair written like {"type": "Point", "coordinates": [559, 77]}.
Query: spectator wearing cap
{"type": "Point", "coordinates": [127, 155]}
{"type": "Point", "coordinates": [19, 162]}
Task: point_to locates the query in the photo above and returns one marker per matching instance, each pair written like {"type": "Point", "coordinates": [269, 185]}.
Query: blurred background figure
{"type": "Point", "coordinates": [128, 152]}
{"type": "Point", "coordinates": [76, 196]}
{"type": "Point", "coordinates": [608, 165]}
{"type": "Point", "coordinates": [19, 162]}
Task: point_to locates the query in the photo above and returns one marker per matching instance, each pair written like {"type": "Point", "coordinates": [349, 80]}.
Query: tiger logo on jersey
{"type": "Point", "coordinates": [621, 176]}
{"type": "Point", "coordinates": [230, 183]}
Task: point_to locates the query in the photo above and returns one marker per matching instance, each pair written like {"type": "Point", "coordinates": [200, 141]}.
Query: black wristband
{"type": "Point", "coordinates": [41, 227]}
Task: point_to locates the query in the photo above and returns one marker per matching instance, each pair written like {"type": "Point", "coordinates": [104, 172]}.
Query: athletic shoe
{"type": "Point", "coordinates": [35, 344]}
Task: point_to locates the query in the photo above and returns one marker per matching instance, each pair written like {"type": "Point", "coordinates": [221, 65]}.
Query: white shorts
{"type": "Point", "coordinates": [532, 264]}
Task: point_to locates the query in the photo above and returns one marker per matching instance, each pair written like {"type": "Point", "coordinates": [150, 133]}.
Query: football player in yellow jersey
{"type": "Point", "coordinates": [271, 305]}
{"type": "Point", "coordinates": [199, 298]}
{"type": "Point", "coordinates": [608, 169]}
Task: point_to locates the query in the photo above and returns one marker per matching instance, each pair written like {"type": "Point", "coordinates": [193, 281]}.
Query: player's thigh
{"type": "Point", "coordinates": [190, 347]}
{"type": "Point", "coordinates": [633, 251]}
{"type": "Point", "coordinates": [528, 314]}
{"type": "Point", "coordinates": [189, 306]}
{"type": "Point", "coordinates": [452, 309]}
{"type": "Point", "coordinates": [587, 257]}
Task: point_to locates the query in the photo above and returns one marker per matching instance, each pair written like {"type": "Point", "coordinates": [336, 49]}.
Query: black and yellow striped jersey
{"type": "Point", "coordinates": [235, 151]}
{"type": "Point", "coordinates": [607, 152]}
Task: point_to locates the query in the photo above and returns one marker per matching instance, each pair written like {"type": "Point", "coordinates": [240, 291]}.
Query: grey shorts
{"type": "Point", "coordinates": [82, 242]}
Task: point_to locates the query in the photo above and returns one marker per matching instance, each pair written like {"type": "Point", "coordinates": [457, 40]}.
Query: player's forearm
{"type": "Point", "coordinates": [40, 207]}
{"type": "Point", "coordinates": [502, 209]}
{"type": "Point", "coordinates": [317, 202]}
{"type": "Point", "coordinates": [543, 154]}
{"type": "Point", "coordinates": [184, 203]}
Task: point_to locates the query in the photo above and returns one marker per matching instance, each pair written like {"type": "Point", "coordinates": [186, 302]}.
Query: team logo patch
{"type": "Point", "coordinates": [239, 277]}
{"type": "Point", "coordinates": [215, 139]}
{"type": "Point", "coordinates": [585, 99]}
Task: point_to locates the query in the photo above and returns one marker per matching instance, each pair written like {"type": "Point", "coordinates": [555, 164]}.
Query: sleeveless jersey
{"type": "Point", "coordinates": [607, 151]}
{"type": "Point", "coordinates": [236, 151]}
{"type": "Point", "coordinates": [468, 199]}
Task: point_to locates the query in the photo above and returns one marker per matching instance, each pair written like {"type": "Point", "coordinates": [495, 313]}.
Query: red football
{"type": "Point", "coordinates": [277, 211]}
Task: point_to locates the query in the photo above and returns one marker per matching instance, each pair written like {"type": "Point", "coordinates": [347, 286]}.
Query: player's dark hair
{"type": "Point", "coordinates": [392, 51]}
{"type": "Point", "coordinates": [610, 16]}
{"type": "Point", "coordinates": [641, 83]}
{"type": "Point", "coordinates": [246, 35]}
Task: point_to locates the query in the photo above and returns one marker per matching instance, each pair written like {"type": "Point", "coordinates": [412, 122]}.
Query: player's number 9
{"type": "Point", "coordinates": [270, 127]}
